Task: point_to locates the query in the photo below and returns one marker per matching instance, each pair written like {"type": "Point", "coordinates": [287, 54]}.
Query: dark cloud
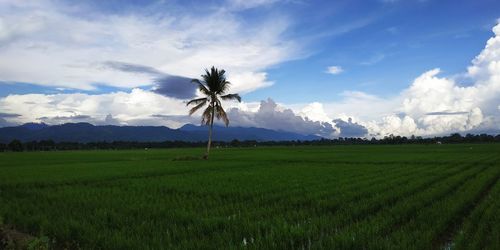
{"type": "Point", "coordinates": [132, 68]}
{"type": "Point", "coordinates": [175, 86]}
{"type": "Point", "coordinates": [162, 116]}
{"type": "Point", "coordinates": [164, 84]}
{"type": "Point", "coordinates": [110, 120]}
{"type": "Point", "coordinates": [63, 119]}
{"type": "Point", "coordinates": [8, 115]}
{"type": "Point", "coordinates": [270, 117]}
{"type": "Point", "coordinates": [5, 123]}
{"type": "Point", "coordinates": [448, 113]}
{"type": "Point", "coordinates": [349, 128]}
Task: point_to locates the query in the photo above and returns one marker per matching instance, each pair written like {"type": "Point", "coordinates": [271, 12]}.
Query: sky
{"type": "Point", "coordinates": [366, 68]}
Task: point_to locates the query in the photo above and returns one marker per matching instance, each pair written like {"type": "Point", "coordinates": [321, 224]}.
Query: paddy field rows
{"type": "Point", "coordinates": [332, 197]}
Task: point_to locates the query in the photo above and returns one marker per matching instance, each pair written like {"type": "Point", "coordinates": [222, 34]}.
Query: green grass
{"type": "Point", "coordinates": [335, 197]}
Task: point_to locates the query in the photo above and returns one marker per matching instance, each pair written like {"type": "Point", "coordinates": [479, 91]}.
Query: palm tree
{"type": "Point", "coordinates": [213, 86]}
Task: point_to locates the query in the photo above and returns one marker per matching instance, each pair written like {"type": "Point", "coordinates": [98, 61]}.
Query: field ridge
{"type": "Point", "coordinates": [446, 238]}
{"type": "Point", "coordinates": [338, 197]}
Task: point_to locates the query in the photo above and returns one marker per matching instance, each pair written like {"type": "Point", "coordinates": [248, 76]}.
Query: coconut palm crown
{"type": "Point", "coordinates": [213, 86]}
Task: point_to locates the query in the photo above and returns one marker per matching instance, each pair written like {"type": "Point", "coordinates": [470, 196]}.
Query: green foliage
{"type": "Point", "coordinates": [41, 243]}
{"type": "Point", "coordinates": [15, 146]}
{"type": "Point", "coordinates": [303, 197]}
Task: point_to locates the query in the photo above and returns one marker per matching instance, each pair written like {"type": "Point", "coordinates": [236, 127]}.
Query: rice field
{"type": "Point", "coordinates": [331, 197]}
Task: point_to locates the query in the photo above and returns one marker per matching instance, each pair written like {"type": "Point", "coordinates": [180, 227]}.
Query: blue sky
{"type": "Point", "coordinates": [272, 49]}
{"type": "Point", "coordinates": [380, 45]}
{"type": "Point", "coordinates": [395, 43]}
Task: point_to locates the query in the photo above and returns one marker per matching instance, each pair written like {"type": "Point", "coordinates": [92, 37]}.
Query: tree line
{"type": "Point", "coordinates": [50, 145]}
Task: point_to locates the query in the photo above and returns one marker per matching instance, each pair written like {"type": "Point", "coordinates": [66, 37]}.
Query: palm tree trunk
{"type": "Point", "coordinates": [210, 133]}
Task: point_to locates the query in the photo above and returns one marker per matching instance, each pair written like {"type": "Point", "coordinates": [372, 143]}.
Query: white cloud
{"type": "Point", "coordinates": [361, 106]}
{"type": "Point", "coordinates": [117, 107]}
{"type": "Point", "coordinates": [334, 70]}
{"type": "Point", "coordinates": [141, 107]}
{"type": "Point", "coordinates": [270, 115]}
{"type": "Point", "coordinates": [468, 107]}
{"type": "Point", "coordinates": [431, 105]}
{"type": "Point", "coordinates": [50, 43]}
{"type": "Point", "coordinates": [252, 81]}
{"type": "Point", "coordinates": [315, 112]}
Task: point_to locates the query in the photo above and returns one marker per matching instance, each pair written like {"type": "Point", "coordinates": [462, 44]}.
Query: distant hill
{"type": "Point", "coordinates": [86, 132]}
{"type": "Point", "coordinates": [34, 126]}
{"type": "Point", "coordinates": [259, 134]}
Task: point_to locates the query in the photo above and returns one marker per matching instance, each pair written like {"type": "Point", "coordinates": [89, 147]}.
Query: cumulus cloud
{"type": "Point", "coordinates": [57, 43]}
{"type": "Point", "coordinates": [350, 129]}
{"type": "Point", "coordinates": [116, 108]}
{"type": "Point", "coordinates": [142, 107]}
{"type": "Point", "coordinates": [432, 104]}
{"type": "Point", "coordinates": [315, 112]}
{"type": "Point", "coordinates": [271, 116]}
{"type": "Point", "coordinates": [334, 70]}
{"type": "Point", "coordinates": [361, 106]}
{"type": "Point", "coordinates": [465, 107]}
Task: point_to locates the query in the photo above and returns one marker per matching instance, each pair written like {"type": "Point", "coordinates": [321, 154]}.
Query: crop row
{"type": "Point", "coordinates": [292, 204]}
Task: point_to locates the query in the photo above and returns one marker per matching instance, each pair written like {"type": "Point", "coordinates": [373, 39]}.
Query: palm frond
{"type": "Point", "coordinates": [223, 87]}
{"type": "Point", "coordinates": [221, 114]}
{"type": "Point", "coordinates": [231, 97]}
{"type": "Point", "coordinates": [215, 80]}
{"type": "Point", "coordinates": [207, 78]}
{"type": "Point", "coordinates": [203, 89]}
{"type": "Point", "coordinates": [196, 101]}
{"type": "Point", "coordinates": [207, 115]}
{"type": "Point", "coordinates": [213, 84]}
{"type": "Point", "coordinates": [195, 108]}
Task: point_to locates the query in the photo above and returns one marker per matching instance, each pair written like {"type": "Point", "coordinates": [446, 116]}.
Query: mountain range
{"type": "Point", "coordinates": [86, 132]}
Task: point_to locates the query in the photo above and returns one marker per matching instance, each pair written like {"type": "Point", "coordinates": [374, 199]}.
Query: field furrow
{"type": "Point", "coordinates": [346, 197]}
